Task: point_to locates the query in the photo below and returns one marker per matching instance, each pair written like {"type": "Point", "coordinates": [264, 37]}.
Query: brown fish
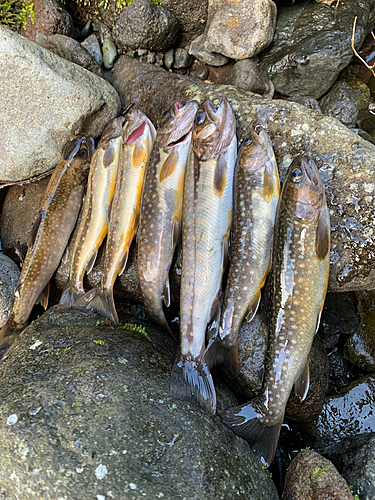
{"type": "Point", "coordinates": [94, 221]}
{"type": "Point", "coordinates": [257, 191]}
{"type": "Point", "coordinates": [207, 219]}
{"type": "Point", "coordinates": [300, 267]}
{"type": "Point", "coordinates": [161, 209]}
{"type": "Point", "coordinates": [137, 138]}
{"type": "Point", "coordinates": [50, 234]}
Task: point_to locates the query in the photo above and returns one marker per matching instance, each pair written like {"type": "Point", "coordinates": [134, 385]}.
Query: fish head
{"type": "Point", "coordinates": [176, 124]}
{"type": "Point", "coordinates": [78, 154]}
{"type": "Point", "coordinates": [303, 190]}
{"type": "Point", "coordinates": [112, 131]}
{"type": "Point", "coordinates": [135, 125]}
{"type": "Point", "coordinates": [254, 150]}
{"type": "Point", "coordinates": [213, 129]}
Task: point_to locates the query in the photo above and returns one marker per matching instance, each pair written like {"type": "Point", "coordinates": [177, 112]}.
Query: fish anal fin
{"type": "Point", "coordinates": [251, 312]}
{"type": "Point", "coordinates": [33, 231]}
{"type": "Point", "coordinates": [91, 262]}
{"type": "Point", "coordinates": [322, 235]}
{"type": "Point", "coordinates": [166, 292]}
{"type": "Point", "coordinates": [123, 262]}
{"type": "Point", "coordinates": [213, 325]}
{"type": "Point", "coordinates": [139, 157]}
{"type": "Point", "coordinates": [302, 383]}
{"type": "Point", "coordinates": [225, 252]}
{"type": "Point", "coordinates": [169, 165]}
{"type": "Point", "coordinates": [224, 354]}
{"type": "Point", "coordinates": [69, 295]}
{"type": "Point", "coordinates": [65, 257]}
{"type": "Point", "coordinates": [43, 297]}
{"type": "Point", "coordinates": [269, 184]}
{"type": "Point", "coordinates": [99, 301]}
{"type": "Point", "coordinates": [221, 175]}
{"type": "Point", "coordinates": [175, 233]}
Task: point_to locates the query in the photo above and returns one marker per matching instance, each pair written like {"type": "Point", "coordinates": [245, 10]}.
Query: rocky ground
{"type": "Point", "coordinates": [85, 406]}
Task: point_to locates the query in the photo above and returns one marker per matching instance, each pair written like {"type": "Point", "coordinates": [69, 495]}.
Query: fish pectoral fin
{"type": "Point", "coordinates": [166, 292]}
{"type": "Point", "coordinates": [270, 187]}
{"type": "Point", "coordinates": [251, 312]}
{"type": "Point", "coordinates": [33, 231]}
{"type": "Point", "coordinates": [318, 318]}
{"type": "Point", "coordinates": [302, 383]}
{"type": "Point", "coordinates": [213, 324]}
{"type": "Point", "coordinates": [140, 156]}
{"type": "Point", "coordinates": [221, 175]}
{"type": "Point", "coordinates": [91, 262]}
{"type": "Point", "coordinates": [124, 261]}
{"type": "Point", "coordinates": [169, 165]}
{"type": "Point", "coordinates": [322, 235]}
{"type": "Point", "coordinates": [43, 297]}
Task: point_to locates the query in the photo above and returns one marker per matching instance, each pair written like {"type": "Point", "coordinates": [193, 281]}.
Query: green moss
{"type": "Point", "coordinates": [14, 13]}
{"type": "Point", "coordinates": [319, 472]}
{"type": "Point", "coordinates": [99, 342]}
{"type": "Point", "coordinates": [136, 328]}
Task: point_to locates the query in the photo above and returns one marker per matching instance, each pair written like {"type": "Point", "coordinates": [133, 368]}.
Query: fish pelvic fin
{"type": "Point", "coordinates": [247, 421]}
{"type": "Point", "coordinates": [221, 353]}
{"type": "Point", "coordinates": [69, 295]}
{"type": "Point", "coordinates": [99, 301]}
{"type": "Point", "coordinates": [191, 379]}
{"type": "Point", "coordinates": [9, 332]}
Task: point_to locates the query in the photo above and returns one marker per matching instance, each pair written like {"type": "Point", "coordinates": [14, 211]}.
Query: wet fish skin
{"type": "Point", "coordinates": [161, 209]}
{"type": "Point", "coordinates": [94, 225]}
{"type": "Point", "coordinates": [300, 270]}
{"type": "Point", "coordinates": [257, 191]}
{"type": "Point", "coordinates": [207, 218]}
{"type": "Point", "coordinates": [50, 233]}
{"type": "Point", "coordinates": [138, 135]}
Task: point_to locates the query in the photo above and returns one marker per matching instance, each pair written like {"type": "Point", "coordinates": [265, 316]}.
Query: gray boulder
{"type": "Point", "coordinates": [341, 102]}
{"type": "Point", "coordinates": [213, 58]}
{"type": "Point", "coordinates": [247, 75]}
{"type": "Point", "coordinates": [86, 413]}
{"type": "Point", "coordinates": [45, 102]}
{"type": "Point", "coordinates": [92, 45]}
{"type": "Point", "coordinates": [9, 275]}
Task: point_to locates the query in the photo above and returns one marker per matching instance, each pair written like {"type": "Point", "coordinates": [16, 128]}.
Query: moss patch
{"type": "Point", "coordinates": [14, 13]}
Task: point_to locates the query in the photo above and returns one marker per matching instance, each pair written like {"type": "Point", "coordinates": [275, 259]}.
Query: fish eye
{"type": "Point", "coordinates": [166, 112]}
{"type": "Point", "coordinates": [247, 141]}
{"type": "Point", "coordinates": [83, 153]}
{"type": "Point", "coordinates": [296, 175]}
{"type": "Point", "coordinates": [199, 119]}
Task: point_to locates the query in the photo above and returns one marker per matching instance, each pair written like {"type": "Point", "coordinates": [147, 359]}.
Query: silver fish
{"type": "Point", "coordinates": [257, 191]}
{"type": "Point", "coordinates": [300, 267]}
{"type": "Point", "coordinates": [207, 218]}
{"type": "Point", "coordinates": [161, 209]}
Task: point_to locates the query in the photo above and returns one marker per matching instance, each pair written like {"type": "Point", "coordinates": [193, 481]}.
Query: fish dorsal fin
{"type": "Point", "coordinates": [175, 233]}
{"type": "Point", "coordinates": [322, 235]}
{"type": "Point", "coordinates": [109, 156]}
{"type": "Point", "coordinates": [91, 262]}
{"type": "Point", "coordinates": [221, 175]}
{"type": "Point", "coordinates": [34, 230]}
{"type": "Point", "coordinates": [139, 157]}
{"type": "Point", "coordinates": [302, 383]}
{"type": "Point", "coordinates": [169, 165]}
{"type": "Point", "coordinates": [43, 297]}
{"type": "Point", "coordinates": [251, 312]}
{"type": "Point", "coordinates": [123, 262]}
{"type": "Point", "coordinates": [166, 292]}
{"type": "Point", "coordinates": [269, 184]}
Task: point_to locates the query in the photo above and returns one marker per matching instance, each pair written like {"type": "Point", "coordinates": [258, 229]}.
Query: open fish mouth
{"type": "Point", "coordinates": [137, 133]}
{"type": "Point", "coordinates": [181, 119]}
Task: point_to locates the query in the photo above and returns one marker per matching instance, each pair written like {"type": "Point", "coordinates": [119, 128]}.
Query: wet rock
{"type": "Point", "coordinates": [146, 25]}
{"type": "Point", "coordinates": [69, 49]}
{"type": "Point", "coordinates": [58, 101]}
{"type": "Point", "coordinates": [199, 71]}
{"type": "Point", "coordinates": [96, 401]}
{"type": "Point", "coordinates": [339, 371]}
{"type": "Point", "coordinates": [345, 160]}
{"type": "Point", "coordinates": [191, 16]}
{"type": "Point", "coordinates": [218, 74]}
{"type": "Point", "coordinates": [360, 346]}
{"type": "Point", "coordinates": [109, 53]}
{"type": "Point", "coordinates": [239, 30]}
{"type": "Point", "coordinates": [312, 44]}
{"type": "Point", "coordinates": [312, 477]}
{"type": "Point", "coordinates": [182, 59]}
{"type": "Point", "coordinates": [9, 276]}
{"type": "Point", "coordinates": [308, 102]}
{"type": "Point", "coordinates": [247, 75]}
{"type": "Point", "coordinates": [50, 18]}
{"type": "Point", "coordinates": [86, 29]}
{"type": "Point", "coordinates": [341, 103]}
{"type": "Point", "coordinates": [348, 413]}
{"type": "Point", "coordinates": [339, 316]}
{"type": "Point", "coordinates": [366, 121]}
{"type": "Point", "coordinates": [197, 50]}
{"type": "Point", "coordinates": [169, 58]}
{"type": "Point", "coordinates": [92, 45]}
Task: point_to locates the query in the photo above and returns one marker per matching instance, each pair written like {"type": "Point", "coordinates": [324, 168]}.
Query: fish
{"type": "Point", "coordinates": [94, 220]}
{"type": "Point", "coordinates": [207, 219]}
{"type": "Point", "coordinates": [257, 192]}
{"type": "Point", "coordinates": [298, 286]}
{"type": "Point", "coordinates": [161, 209]}
{"type": "Point", "coordinates": [50, 234]}
{"type": "Point", "coordinates": [138, 135]}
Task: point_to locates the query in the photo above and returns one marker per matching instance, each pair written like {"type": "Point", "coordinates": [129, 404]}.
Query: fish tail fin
{"type": "Point", "coordinates": [221, 353]}
{"type": "Point", "coordinates": [100, 301]}
{"type": "Point", "coordinates": [158, 316]}
{"type": "Point", "coordinates": [70, 294]}
{"type": "Point", "coordinates": [191, 379]}
{"type": "Point", "coordinates": [9, 332]}
{"type": "Point", "coordinates": [247, 421]}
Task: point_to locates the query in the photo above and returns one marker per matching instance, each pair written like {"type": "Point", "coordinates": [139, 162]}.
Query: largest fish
{"type": "Point", "coordinates": [50, 234]}
{"type": "Point", "coordinates": [300, 268]}
{"type": "Point", "coordinates": [207, 219]}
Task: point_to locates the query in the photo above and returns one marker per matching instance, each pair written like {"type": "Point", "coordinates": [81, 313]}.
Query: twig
{"type": "Point", "coordinates": [26, 181]}
{"type": "Point", "coordinates": [371, 68]}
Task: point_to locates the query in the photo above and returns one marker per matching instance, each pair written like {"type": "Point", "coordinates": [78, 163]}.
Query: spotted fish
{"type": "Point", "coordinates": [94, 221]}
{"type": "Point", "coordinates": [161, 209]}
{"type": "Point", "coordinates": [207, 218]}
{"type": "Point", "coordinates": [300, 267]}
{"type": "Point", "coordinates": [138, 136]}
{"type": "Point", "coordinates": [257, 191]}
{"type": "Point", "coordinates": [50, 234]}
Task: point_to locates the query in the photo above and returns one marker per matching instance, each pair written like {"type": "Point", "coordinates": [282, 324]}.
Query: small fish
{"type": "Point", "coordinates": [50, 234]}
{"type": "Point", "coordinates": [161, 210]}
{"type": "Point", "coordinates": [300, 267]}
{"type": "Point", "coordinates": [94, 221]}
{"type": "Point", "coordinates": [257, 191]}
{"type": "Point", "coordinates": [138, 135]}
{"type": "Point", "coordinates": [207, 219]}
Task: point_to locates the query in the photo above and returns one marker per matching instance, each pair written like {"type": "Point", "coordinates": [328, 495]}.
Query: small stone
{"type": "Point", "coordinates": [109, 53]}
{"type": "Point", "coordinates": [86, 29]}
{"type": "Point", "coordinates": [159, 59]}
{"type": "Point", "coordinates": [200, 72]}
{"type": "Point", "coordinates": [169, 58]}
{"type": "Point", "coordinates": [131, 53]}
{"type": "Point", "coordinates": [213, 58]}
{"type": "Point", "coordinates": [9, 276]}
{"type": "Point", "coordinates": [101, 472]}
{"type": "Point", "coordinates": [91, 44]}
{"type": "Point", "coordinates": [96, 27]}
{"type": "Point", "coordinates": [182, 59]}
{"type": "Point", "coordinates": [12, 419]}
{"type": "Point", "coordinates": [151, 58]}
{"type": "Point", "coordinates": [247, 75]}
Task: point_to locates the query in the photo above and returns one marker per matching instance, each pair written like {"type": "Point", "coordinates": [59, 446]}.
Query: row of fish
{"type": "Point", "coordinates": [188, 180]}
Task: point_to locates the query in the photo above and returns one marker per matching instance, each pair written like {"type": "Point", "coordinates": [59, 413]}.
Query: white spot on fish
{"type": "Point", "coordinates": [101, 471]}
{"type": "Point", "coordinates": [12, 419]}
